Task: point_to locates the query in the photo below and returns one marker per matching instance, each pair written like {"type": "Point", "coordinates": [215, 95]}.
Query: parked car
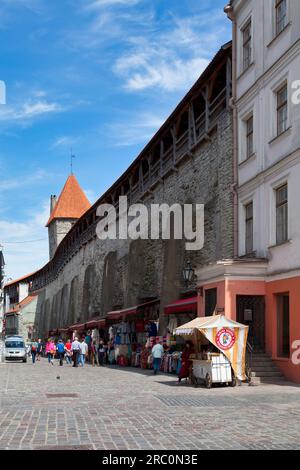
{"type": "Point", "coordinates": [15, 349]}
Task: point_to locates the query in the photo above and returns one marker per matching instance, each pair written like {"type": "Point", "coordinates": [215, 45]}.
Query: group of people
{"type": "Point", "coordinates": [76, 351]}
{"type": "Point", "coordinates": [157, 355]}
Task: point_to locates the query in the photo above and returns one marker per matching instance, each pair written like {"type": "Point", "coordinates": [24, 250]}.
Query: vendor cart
{"type": "Point", "coordinates": [216, 369]}
{"type": "Point", "coordinates": [220, 348]}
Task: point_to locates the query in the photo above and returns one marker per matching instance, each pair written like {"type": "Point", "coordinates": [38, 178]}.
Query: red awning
{"type": "Point", "coordinates": [118, 314]}
{"type": "Point", "coordinates": [95, 322]}
{"type": "Point", "coordinates": [77, 326]}
{"type": "Point", "coordinates": [63, 330]}
{"type": "Point", "coordinates": [182, 306]}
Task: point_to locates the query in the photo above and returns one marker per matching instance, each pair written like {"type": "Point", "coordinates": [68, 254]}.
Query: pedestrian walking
{"type": "Point", "coordinates": [186, 363]}
{"type": "Point", "coordinates": [50, 351]}
{"type": "Point", "coordinates": [76, 350]}
{"type": "Point", "coordinates": [61, 351]}
{"type": "Point", "coordinates": [68, 351]}
{"type": "Point", "coordinates": [34, 347]}
{"type": "Point", "coordinates": [39, 349]}
{"type": "Point", "coordinates": [101, 353]}
{"type": "Point", "coordinates": [157, 354]}
{"type": "Point", "coordinates": [88, 340]}
{"type": "Point", "coordinates": [83, 351]}
{"type": "Point", "coordinates": [94, 353]}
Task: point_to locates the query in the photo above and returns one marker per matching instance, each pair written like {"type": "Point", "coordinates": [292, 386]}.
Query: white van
{"type": "Point", "coordinates": [15, 349]}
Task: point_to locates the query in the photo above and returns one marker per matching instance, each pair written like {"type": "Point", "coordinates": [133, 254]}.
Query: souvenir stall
{"type": "Point", "coordinates": [64, 333]}
{"type": "Point", "coordinates": [220, 349]}
{"type": "Point", "coordinates": [128, 332]}
{"type": "Point", "coordinates": [54, 334]}
{"type": "Point", "coordinates": [77, 330]}
{"type": "Point", "coordinates": [178, 312]}
{"type": "Point", "coordinates": [96, 327]}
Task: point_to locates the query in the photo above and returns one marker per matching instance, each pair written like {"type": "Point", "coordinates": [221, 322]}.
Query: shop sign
{"type": "Point", "coordinates": [225, 338]}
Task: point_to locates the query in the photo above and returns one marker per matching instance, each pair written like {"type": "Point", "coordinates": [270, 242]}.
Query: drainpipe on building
{"type": "Point", "coordinates": [230, 14]}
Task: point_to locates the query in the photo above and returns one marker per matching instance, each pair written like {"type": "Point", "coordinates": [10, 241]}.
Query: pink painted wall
{"type": "Point", "coordinates": [291, 286]}
{"type": "Point", "coordinates": [220, 296]}
{"type": "Point", "coordinates": [229, 289]}
{"type": "Point", "coordinates": [239, 287]}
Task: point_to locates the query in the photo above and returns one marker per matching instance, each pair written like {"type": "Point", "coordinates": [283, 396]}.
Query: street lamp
{"type": "Point", "coordinates": [188, 273]}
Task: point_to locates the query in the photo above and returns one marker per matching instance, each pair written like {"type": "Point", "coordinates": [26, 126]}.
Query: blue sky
{"type": "Point", "coordinates": [98, 76]}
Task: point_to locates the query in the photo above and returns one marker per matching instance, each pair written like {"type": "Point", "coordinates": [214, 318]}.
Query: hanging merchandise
{"type": "Point", "coordinates": [151, 328]}
{"type": "Point", "coordinates": [95, 335]}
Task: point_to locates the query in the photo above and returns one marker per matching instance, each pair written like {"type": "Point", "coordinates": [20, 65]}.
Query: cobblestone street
{"type": "Point", "coordinates": [113, 408]}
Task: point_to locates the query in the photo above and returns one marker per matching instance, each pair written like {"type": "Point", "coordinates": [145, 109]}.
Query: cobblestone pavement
{"type": "Point", "coordinates": [114, 408]}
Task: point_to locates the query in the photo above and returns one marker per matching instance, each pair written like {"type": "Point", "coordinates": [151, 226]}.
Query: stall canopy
{"type": "Point", "coordinates": [227, 335]}
{"type": "Point", "coordinates": [95, 323]}
{"type": "Point", "coordinates": [118, 314]}
{"type": "Point", "coordinates": [182, 306]}
{"type": "Point", "coordinates": [77, 326]}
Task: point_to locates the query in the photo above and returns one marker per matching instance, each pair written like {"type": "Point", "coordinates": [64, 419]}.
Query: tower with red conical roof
{"type": "Point", "coordinates": [65, 211]}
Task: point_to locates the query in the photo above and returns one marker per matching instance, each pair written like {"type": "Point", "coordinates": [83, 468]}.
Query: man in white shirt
{"type": "Point", "coordinates": [157, 354]}
{"type": "Point", "coordinates": [76, 349]}
{"type": "Point", "coordinates": [83, 351]}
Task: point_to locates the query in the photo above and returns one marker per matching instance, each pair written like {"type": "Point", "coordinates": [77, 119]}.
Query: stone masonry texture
{"type": "Point", "coordinates": [121, 273]}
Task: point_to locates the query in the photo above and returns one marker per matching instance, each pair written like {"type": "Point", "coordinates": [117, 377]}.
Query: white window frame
{"type": "Point", "coordinates": [242, 29]}
{"type": "Point", "coordinates": [245, 224]}
{"type": "Point", "coordinates": [273, 188]}
{"type": "Point", "coordinates": [275, 32]}
{"type": "Point", "coordinates": [243, 157]}
{"type": "Point", "coordinates": [250, 198]}
{"type": "Point", "coordinates": [273, 101]}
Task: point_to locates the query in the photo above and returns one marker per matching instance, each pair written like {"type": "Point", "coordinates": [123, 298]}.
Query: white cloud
{"type": "Point", "coordinates": [169, 55]}
{"type": "Point", "coordinates": [136, 129]}
{"type": "Point", "coordinates": [29, 110]}
{"type": "Point", "coordinates": [65, 141]}
{"type": "Point", "coordinates": [96, 4]}
{"type": "Point", "coordinates": [25, 243]}
{"type": "Point", "coordinates": [20, 182]}
{"type": "Point", "coordinates": [141, 72]}
{"type": "Point", "coordinates": [166, 52]}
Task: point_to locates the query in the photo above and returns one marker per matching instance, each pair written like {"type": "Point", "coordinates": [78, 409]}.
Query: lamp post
{"type": "Point", "coordinates": [188, 273]}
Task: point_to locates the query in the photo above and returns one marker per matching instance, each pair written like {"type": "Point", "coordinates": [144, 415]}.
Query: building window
{"type": "Point", "coordinates": [249, 228]}
{"type": "Point", "coordinates": [249, 137]}
{"type": "Point", "coordinates": [281, 15]}
{"type": "Point", "coordinates": [281, 214]}
{"type": "Point", "coordinates": [283, 325]}
{"type": "Point", "coordinates": [247, 51]}
{"type": "Point", "coordinates": [210, 301]}
{"type": "Point", "coordinates": [282, 110]}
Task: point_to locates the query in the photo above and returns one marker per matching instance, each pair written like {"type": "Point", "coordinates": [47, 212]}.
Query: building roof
{"type": "Point", "coordinates": [20, 279]}
{"type": "Point", "coordinates": [72, 202]}
{"type": "Point", "coordinates": [27, 300]}
{"type": "Point", "coordinates": [22, 304]}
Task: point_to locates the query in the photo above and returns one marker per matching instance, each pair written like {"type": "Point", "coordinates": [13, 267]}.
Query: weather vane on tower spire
{"type": "Point", "coordinates": [72, 156]}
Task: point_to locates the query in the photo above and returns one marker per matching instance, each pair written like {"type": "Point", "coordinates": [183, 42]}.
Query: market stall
{"type": "Point", "coordinates": [220, 349]}
{"type": "Point", "coordinates": [178, 312]}
{"type": "Point", "coordinates": [129, 331]}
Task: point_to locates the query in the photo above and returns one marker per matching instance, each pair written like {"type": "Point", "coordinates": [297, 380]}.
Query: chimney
{"type": "Point", "coordinates": [53, 201]}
